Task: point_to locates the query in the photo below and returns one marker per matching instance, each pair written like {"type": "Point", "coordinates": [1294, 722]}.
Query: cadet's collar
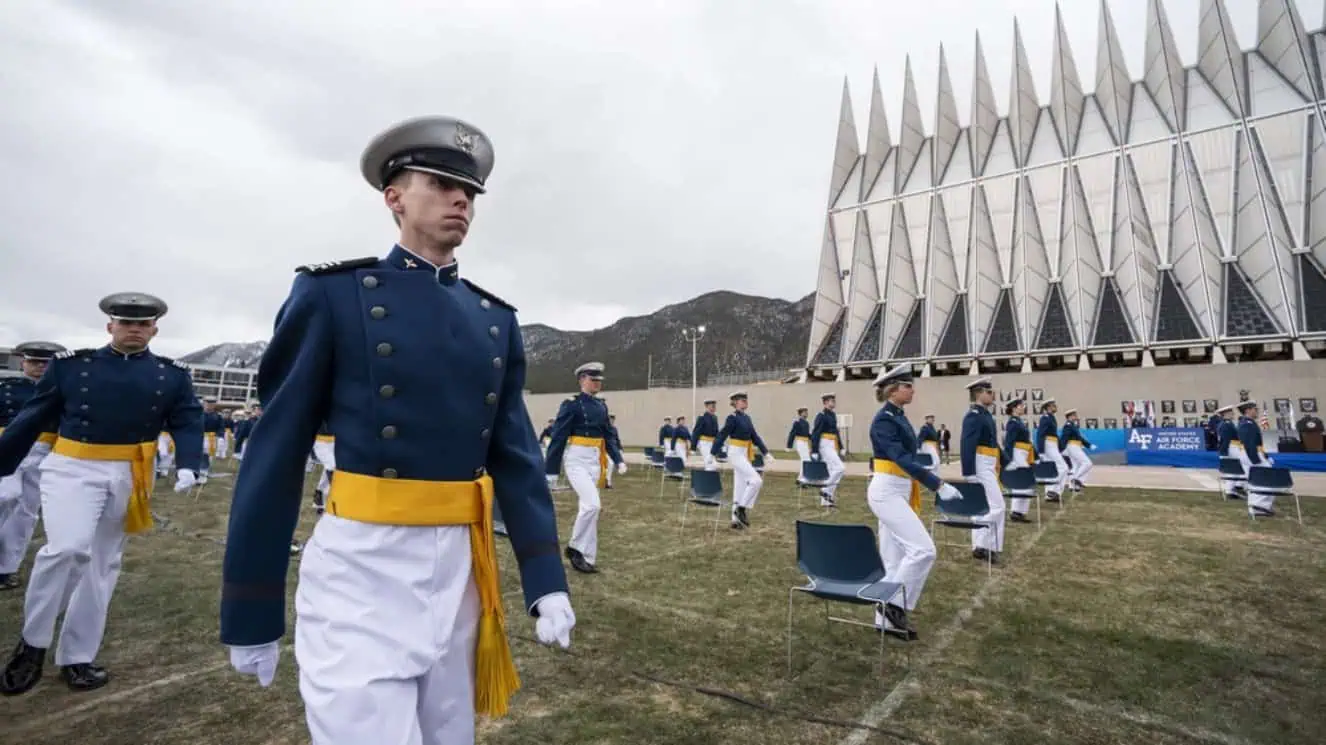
{"type": "Point", "coordinates": [407, 260]}
{"type": "Point", "coordinates": [892, 408]}
{"type": "Point", "coordinates": [110, 350]}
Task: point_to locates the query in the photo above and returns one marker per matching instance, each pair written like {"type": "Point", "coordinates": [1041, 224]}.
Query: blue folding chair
{"type": "Point", "coordinates": [1273, 481]}
{"type": "Point", "coordinates": [673, 468]}
{"type": "Point", "coordinates": [965, 514]}
{"type": "Point", "coordinates": [1021, 483]}
{"type": "Point", "coordinates": [649, 454]}
{"type": "Point", "coordinates": [1231, 474]}
{"type": "Point", "coordinates": [841, 563]}
{"type": "Point", "coordinates": [814, 475]}
{"type": "Point", "coordinates": [706, 491]}
{"type": "Point", "coordinates": [1047, 474]}
{"type": "Point", "coordinates": [656, 460]}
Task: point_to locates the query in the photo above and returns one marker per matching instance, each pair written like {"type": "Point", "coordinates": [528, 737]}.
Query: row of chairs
{"type": "Point", "coordinates": [1273, 481]}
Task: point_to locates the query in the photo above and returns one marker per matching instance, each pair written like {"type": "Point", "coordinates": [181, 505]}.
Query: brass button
{"type": "Point", "coordinates": [485, 434]}
{"type": "Point", "coordinates": [478, 472]}
{"type": "Point", "coordinates": [493, 331]}
{"type": "Point", "coordinates": [491, 399]}
{"type": "Point", "coordinates": [83, 374]}
{"type": "Point", "coordinates": [387, 391]}
{"type": "Point", "coordinates": [497, 363]}
{"type": "Point", "coordinates": [384, 349]}
{"type": "Point", "coordinates": [484, 304]}
{"type": "Point", "coordinates": [370, 282]}
{"type": "Point", "coordinates": [84, 407]}
{"type": "Point", "coordinates": [388, 473]}
{"type": "Point", "coordinates": [377, 312]}
{"type": "Point", "coordinates": [389, 432]}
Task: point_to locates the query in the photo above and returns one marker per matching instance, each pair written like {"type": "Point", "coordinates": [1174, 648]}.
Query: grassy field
{"type": "Point", "coordinates": [1132, 617]}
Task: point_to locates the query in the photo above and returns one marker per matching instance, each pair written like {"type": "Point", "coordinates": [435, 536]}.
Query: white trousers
{"type": "Point", "coordinates": [20, 503]}
{"type": "Point", "coordinates": [386, 624]}
{"type": "Point", "coordinates": [222, 445]}
{"type": "Point", "coordinates": [581, 464]}
{"type": "Point", "coordinates": [325, 454]}
{"type": "Point", "coordinates": [746, 481]}
{"type": "Point", "coordinates": [83, 503]}
{"type": "Point", "coordinates": [991, 538]}
{"type": "Point", "coordinates": [905, 546]}
{"type": "Point", "coordinates": [707, 453]}
{"type": "Point", "coordinates": [680, 450]}
{"type": "Point", "coordinates": [1020, 504]}
{"type": "Point", "coordinates": [1081, 463]}
{"type": "Point", "coordinates": [1053, 453]}
{"type": "Point", "coordinates": [933, 450]}
{"type": "Point", "coordinates": [803, 448]}
{"type": "Point", "coordinates": [829, 454]}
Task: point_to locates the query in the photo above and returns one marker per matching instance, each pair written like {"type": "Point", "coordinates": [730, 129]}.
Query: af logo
{"type": "Point", "coordinates": [1143, 441]}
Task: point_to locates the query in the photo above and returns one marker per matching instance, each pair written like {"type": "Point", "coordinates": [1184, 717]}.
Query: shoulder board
{"type": "Point", "coordinates": [175, 362]}
{"type": "Point", "coordinates": [490, 296]}
{"type": "Point", "coordinates": [331, 267]}
{"type": "Point", "coordinates": [66, 354]}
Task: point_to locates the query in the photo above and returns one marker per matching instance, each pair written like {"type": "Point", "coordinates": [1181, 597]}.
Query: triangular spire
{"type": "Point", "coordinates": [1164, 77]}
{"type": "Point", "coordinates": [947, 127]}
{"type": "Point", "coordinates": [1284, 45]}
{"type": "Point", "coordinates": [878, 138]}
{"type": "Point", "coordinates": [863, 290]}
{"type": "Point", "coordinates": [847, 149]}
{"type": "Point", "coordinates": [1220, 60]}
{"type": "Point", "coordinates": [984, 115]}
{"type": "Point", "coordinates": [1114, 87]}
{"type": "Point", "coordinates": [828, 295]}
{"type": "Point", "coordinates": [912, 136]}
{"type": "Point", "coordinates": [1024, 108]}
{"type": "Point", "coordinates": [1066, 99]}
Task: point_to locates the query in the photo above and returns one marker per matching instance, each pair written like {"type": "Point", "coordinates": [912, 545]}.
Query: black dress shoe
{"type": "Point", "coordinates": [1018, 517]}
{"type": "Point", "coordinates": [980, 554]}
{"type": "Point", "coordinates": [84, 676]}
{"type": "Point", "coordinates": [23, 670]}
{"type": "Point", "coordinates": [741, 515]}
{"type": "Point", "coordinates": [579, 564]}
{"type": "Point", "coordinates": [896, 617]}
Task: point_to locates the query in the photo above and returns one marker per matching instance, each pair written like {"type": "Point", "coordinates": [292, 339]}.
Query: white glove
{"type": "Point", "coordinates": [259, 660]}
{"type": "Point", "coordinates": [949, 492]}
{"type": "Point", "coordinates": [552, 480]}
{"type": "Point", "coordinates": [1093, 447]}
{"type": "Point", "coordinates": [842, 453]}
{"type": "Point", "coordinates": [621, 468]}
{"type": "Point", "coordinates": [814, 456]}
{"type": "Point", "coordinates": [768, 457]}
{"type": "Point", "coordinates": [184, 480]}
{"type": "Point", "coordinates": [556, 619]}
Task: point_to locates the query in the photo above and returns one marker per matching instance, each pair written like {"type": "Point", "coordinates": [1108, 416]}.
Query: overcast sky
{"type": "Point", "coordinates": [646, 151]}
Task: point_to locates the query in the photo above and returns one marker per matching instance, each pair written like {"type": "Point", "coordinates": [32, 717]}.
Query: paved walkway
{"type": "Point", "coordinates": [1124, 477]}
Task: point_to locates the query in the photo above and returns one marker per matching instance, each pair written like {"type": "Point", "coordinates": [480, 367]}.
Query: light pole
{"type": "Point", "coordinates": [693, 334]}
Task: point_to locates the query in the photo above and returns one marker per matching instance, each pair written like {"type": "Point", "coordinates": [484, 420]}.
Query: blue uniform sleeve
{"type": "Point", "coordinates": [817, 432]}
{"type": "Point", "coordinates": [971, 437]}
{"type": "Point", "coordinates": [885, 439]}
{"type": "Point", "coordinates": [1042, 431]}
{"type": "Point", "coordinates": [294, 383]}
{"type": "Point", "coordinates": [35, 417]}
{"type": "Point", "coordinates": [561, 433]}
{"type": "Point", "coordinates": [520, 489]}
{"type": "Point", "coordinates": [184, 421]}
{"type": "Point", "coordinates": [1250, 436]}
{"type": "Point", "coordinates": [726, 431]}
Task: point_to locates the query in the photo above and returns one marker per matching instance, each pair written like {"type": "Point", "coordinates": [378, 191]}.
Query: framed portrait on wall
{"type": "Point", "coordinates": [1166, 407]}
{"type": "Point", "coordinates": [1036, 409]}
{"type": "Point", "coordinates": [1092, 423]}
{"type": "Point", "coordinates": [1209, 405]}
{"type": "Point", "coordinates": [1190, 421]}
{"type": "Point", "coordinates": [1307, 405]}
{"type": "Point", "coordinates": [1037, 394]}
{"type": "Point", "coordinates": [1111, 423]}
{"type": "Point", "coordinates": [1021, 393]}
{"type": "Point", "coordinates": [1189, 407]}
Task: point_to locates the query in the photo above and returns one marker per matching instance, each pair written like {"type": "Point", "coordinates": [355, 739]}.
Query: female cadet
{"type": "Point", "coordinates": [741, 438]}
{"type": "Point", "coordinates": [905, 547]}
{"type": "Point", "coordinates": [1018, 451]}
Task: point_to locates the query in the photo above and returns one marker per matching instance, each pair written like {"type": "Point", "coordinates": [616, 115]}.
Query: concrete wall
{"type": "Point", "coordinates": [1094, 393]}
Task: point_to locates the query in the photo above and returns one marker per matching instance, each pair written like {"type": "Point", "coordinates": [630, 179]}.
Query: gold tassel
{"type": "Point", "coordinates": [495, 679]}
{"type": "Point", "coordinates": [915, 499]}
{"type": "Point", "coordinates": [138, 515]}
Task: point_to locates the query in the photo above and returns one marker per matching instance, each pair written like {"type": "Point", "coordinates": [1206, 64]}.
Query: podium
{"type": "Point", "coordinates": [1312, 441]}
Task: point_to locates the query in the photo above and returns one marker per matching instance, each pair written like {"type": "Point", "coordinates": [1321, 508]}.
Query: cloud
{"type": "Point", "coordinates": [646, 152]}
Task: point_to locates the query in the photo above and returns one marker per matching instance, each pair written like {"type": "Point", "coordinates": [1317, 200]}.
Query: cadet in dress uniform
{"type": "Point", "coordinates": [96, 483]}
{"type": "Point", "coordinates": [245, 429]}
{"type": "Point", "coordinates": [1047, 445]}
{"type": "Point", "coordinates": [929, 437]}
{"type": "Point", "coordinates": [905, 546]}
{"type": "Point", "coordinates": [400, 634]}
{"type": "Point", "coordinates": [582, 438]}
{"type": "Point", "coordinates": [741, 439]}
{"type": "Point", "coordinates": [223, 437]}
{"type": "Point", "coordinates": [1228, 445]}
{"type": "Point", "coordinates": [1253, 454]}
{"type": "Point", "coordinates": [1076, 445]}
{"type": "Point", "coordinates": [981, 460]}
{"type": "Point", "coordinates": [681, 439]}
{"type": "Point", "coordinates": [706, 430]}
{"type": "Point", "coordinates": [798, 437]}
{"type": "Point", "coordinates": [665, 436]}
{"type": "Point", "coordinates": [214, 431]}
{"type": "Point", "coordinates": [20, 493]}
{"type": "Point", "coordinates": [825, 446]}
{"type": "Point", "coordinates": [1018, 453]}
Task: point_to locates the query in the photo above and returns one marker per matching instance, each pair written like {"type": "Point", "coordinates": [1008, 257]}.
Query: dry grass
{"type": "Point", "coordinates": [1134, 617]}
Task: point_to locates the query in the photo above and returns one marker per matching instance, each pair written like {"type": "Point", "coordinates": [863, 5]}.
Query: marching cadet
{"type": "Point", "coordinates": [981, 460]}
{"type": "Point", "coordinates": [1228, 445]}
{"type": "Point", "coordinates": [96, 483]}
{"type": "Point", "coordinates": [665, 436]}
{"type": "Point", "coordinates": [1077, 446]}
{"type": "Point", "coordinates": [20, 493]}
{"type": "Point", "coordinates": [1018, 452]}
{"type": "Point", "coordinates": [741, 439]}
{"type": "Point", "coordinates": [223, 437]}
{"type": "Point", "coordinates": [1253, 454]}
{"type": "Point", "coordinates": [583, 438]}
{"type": "Point", "coordinates": [706, 430]}
{"type": "Point", "coordinates": [214, 431]}
{"type": "Point", "coordinates": [905, 546]}
{"type": "Point", "coordinates": [798, 437]}
{"type": "Point", "coordinates": [681, 439]}
{"type": "Point", "coordinates": [400, 635]}
{"type": "Point", "coordinates": [616, 437]}
{"type": "Point", "coordinates": [245, 428]}
{"type": "Point", "coordinates": [929, 438]}
{"type": "Point", "coordinates": [1047, 444]}
{"type": "Point", "coordinates": [825, 446]}
{"type": "Point", "coordinates": [324, 452]}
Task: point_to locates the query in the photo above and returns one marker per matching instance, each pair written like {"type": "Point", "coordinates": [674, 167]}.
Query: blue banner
{"type": "Point", "coordinates": [1167, 439]}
